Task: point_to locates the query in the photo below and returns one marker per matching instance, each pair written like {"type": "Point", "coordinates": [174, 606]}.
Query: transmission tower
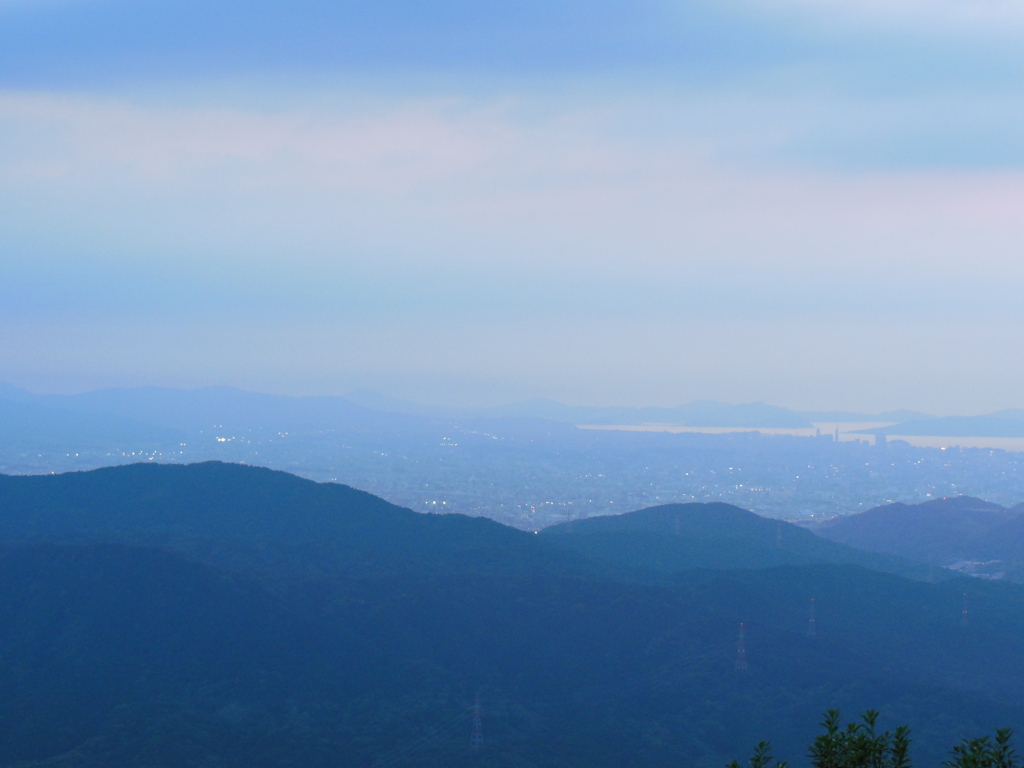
{"type": "Point", "coordinates": [741, 650]}
{"type": "Point", "coordinates": [812, 626]}
{"type": "Point", "coordinates": [476, 737]}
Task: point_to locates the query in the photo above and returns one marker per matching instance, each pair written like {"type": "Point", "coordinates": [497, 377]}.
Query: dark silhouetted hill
{"type": "Point", "coordinates": [674, 537]}
{"type": "Point", "coordinates": [226, 617]}
{"type": "Point", "coordinates": [261, 520]}
{"type": "Point", "coordinates": [115, 655]}
{"type": "Point", "coordinates": [940, 531]}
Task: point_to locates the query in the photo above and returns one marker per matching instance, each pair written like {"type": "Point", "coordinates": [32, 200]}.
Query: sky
{"type": "Point", "coordinates": [814, 203]}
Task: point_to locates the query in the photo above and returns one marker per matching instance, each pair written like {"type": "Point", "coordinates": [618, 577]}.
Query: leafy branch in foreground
{"type": "Point", "coordinates": [762, 758]}
{"type": "Point", "coordinates": [982, 753]}
{"type": "Point", "coordinates": [860, 745]}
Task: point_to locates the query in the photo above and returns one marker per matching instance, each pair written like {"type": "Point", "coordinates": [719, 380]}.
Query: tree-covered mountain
{"type": "Point", "coordinates": [256, 518]}
{"type": "Point", "coordinates": [674, 537]}
{"type": "Point", "coordinates": [162, 616]}
{"type": "Point", "coordinates": [119, 655]}
{"type": "Point", "coordinates": [941, 531]}
{"type": "Point", "coordinates": [263, 521]}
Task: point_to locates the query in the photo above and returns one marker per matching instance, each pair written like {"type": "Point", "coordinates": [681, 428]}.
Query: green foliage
{"type": "Point", "coordinates": [982, 753]}
{"type": "Point", "coordinates": [859, 745]}
{"type": "Point", "coordinates": [762, 758]}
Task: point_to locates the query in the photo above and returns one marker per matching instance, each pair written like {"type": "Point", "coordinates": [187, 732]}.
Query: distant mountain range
{"type": "Point", "coordinates": [130, 409]}
{"type": "Point", "coordinates": [697, 414]}
{"type": "Point", "coordinates": [700, 413]}
{"type": "Point", "coordinates": [942, 531]}
{"type": "Point", "coordinates": [29, 424]}
{"type": "Point", "coordinates": [226, 616]}
{"type": "Point", "coordinates": [1000, 424]}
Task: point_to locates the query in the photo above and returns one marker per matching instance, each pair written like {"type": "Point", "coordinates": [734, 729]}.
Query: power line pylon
{"type": "Point", "coordinates": [741, 650]}
{"type": "Point", "coordinates": [812, 623]}
{"type": "Point", "coordinates": [476, 737]}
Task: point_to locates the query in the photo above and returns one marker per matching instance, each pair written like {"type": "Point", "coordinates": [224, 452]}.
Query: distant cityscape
{"type": "Point", "coordinates": [532, 473]}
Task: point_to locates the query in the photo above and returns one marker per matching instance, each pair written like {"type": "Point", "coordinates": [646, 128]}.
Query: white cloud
{"type": "Point", "coordinates": [957, 16]}
{"type": "Point", "coordinates": [409, 142]}
{"type": "Point", "coordinates": [503, 184]}
{"type": "Point", "coordinates": [591, 239]}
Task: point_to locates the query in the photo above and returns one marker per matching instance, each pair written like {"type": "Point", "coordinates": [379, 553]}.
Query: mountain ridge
{"type": "Point", "coordinates": [259, 519]}
{"type": "Point", "coordinates": [674, 537]}
{"type": "Point", "coordinates": [939, 531]}
{"type": "Point", "coordinates": [129, 638]}
{"type": "Point", "coordinates": [219, 403]}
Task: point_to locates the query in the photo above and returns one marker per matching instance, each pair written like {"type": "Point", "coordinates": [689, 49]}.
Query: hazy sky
{"type": "Point", "coordinates": [817, 203]}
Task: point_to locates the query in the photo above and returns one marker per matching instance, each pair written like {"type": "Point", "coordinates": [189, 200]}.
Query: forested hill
{"type": "Point", "coordinates": [128, 656]}
{"type": "Point", "coordinates": [263, 521]}
{"type": "Point", "coordinates": [940, 531]}
{"type": "Point", "coordinates": [674, 537]}
{"type": "Point", "coordinates": [219, 616]}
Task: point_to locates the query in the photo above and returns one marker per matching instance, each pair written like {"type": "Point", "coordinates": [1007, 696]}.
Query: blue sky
{"type": "Point", "coordinates": [811, 202]}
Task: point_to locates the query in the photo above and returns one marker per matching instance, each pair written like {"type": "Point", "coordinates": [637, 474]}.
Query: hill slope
{"type": "Point", "coordinates": [138, 653]}
{"type": "Point", "coordinates": [674, 537]}
{"type": "Point", "coordinates": [941, 531]}
{"type": "Point", "coordinates": [116, 655]}
{"type": "Point", "coordinates": [256, 519]}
